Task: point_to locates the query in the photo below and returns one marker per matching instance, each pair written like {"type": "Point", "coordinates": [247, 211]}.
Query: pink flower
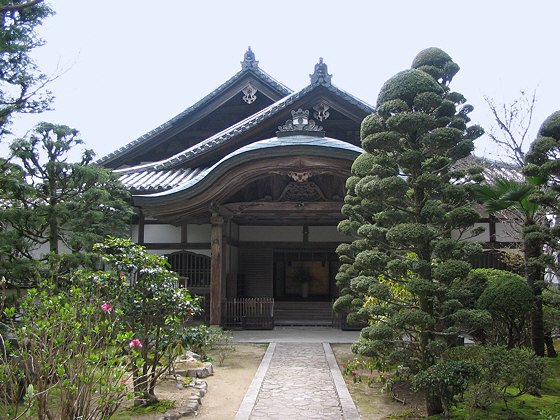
{"type": "Point", "coordinates": [123, 275]}
{"type": "Point", "coordinates": [135, 343]}
{"type": "Point", "coordinates": [353, 373]}
{"type": "Point", "coordinates": [106, 307]}
{"type": "Point", "coordinates": [344, 365]}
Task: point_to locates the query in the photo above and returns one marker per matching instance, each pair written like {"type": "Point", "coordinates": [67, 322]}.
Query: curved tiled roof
{"type": "Point", "coordinates": [200, 178]}
{"type": "Point", "coordinates": [243, 126]}
{"type": "Point", "coordinates": [154, 181]}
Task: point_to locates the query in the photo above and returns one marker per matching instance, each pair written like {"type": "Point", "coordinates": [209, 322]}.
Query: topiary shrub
{"type": "Point", "coordinates": [446, 380]}
{"type": "Point", "coordinates": [406, 85]}
{"type": "Point", "coordinates": [509, 300]}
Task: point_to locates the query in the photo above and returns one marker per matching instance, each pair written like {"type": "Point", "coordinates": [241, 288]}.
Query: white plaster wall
{"type": "Point", "coordinates": [505, 233]}
{"type": "Point", "coordinates": [327, 234]}
{"type": "Point", "coordinates": [171, 251]}
{"type": "Point", "coordinates": [271, 233]}
{"type": "Point", "coordinates": [161, 252]}
{"type": "Point", "coordinates": [198, 233]}
{"type": "Point", "coordinates": [41, 249]}
{"type": "Point", "coordinates": [483, 237]}
{"type": "Point", "coordinates": [162, 234]}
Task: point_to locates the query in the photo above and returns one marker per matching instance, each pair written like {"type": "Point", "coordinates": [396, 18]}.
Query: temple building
{"type": "Point", "coordinates": [243, 191]}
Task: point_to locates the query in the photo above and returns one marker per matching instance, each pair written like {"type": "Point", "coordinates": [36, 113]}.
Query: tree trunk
{"type": "Point", "coordinates": [534, 275]}
{"type": "Point", "coordinates": [433, 405]}
{"type": "Point", "coordinates": [550, 350]}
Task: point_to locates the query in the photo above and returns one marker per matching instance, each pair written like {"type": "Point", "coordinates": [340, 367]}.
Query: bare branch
{"type": "Point", "coordinates": [19, 7]}
{"type": "Point", "coordinates": [512, 125]}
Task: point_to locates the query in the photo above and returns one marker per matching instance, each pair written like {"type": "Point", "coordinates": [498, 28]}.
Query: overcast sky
{"type": "Point", "coordinates": [129, 65]}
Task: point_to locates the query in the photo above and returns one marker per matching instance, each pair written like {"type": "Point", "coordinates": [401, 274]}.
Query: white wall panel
{"type": "Point", "coordinates": [326, 234]}
{"type": "Point", "coordinates": [198, 233]}
{"type": "Point", "coordinates": [271, 233]}
{"type": "Point", "coordinates": [162, 234]}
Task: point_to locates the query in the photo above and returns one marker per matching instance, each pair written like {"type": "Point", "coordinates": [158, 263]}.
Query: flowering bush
{"type": "Point", "coordinates": [66, 353]}
{"type": "Point", "coordinates": [145, 292]}
{"type": "Point", "coordinates": [135, 343]}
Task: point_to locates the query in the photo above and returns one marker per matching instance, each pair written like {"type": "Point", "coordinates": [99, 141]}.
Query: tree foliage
{"type": "Point", "coordinates": [407, 207]}
{"type": "Point", "coordinates": [505, 374]}
{"type": "Point", "coordinates": [66, 207]}
{"type": "Point", "coordinates": [65, 353]}
{"type": "Point", "coordinates": [543, 161]}
{"type": "Point", "coordinates": [530, 205]}
{"type": "Point", "coordinates": [146, 293]}
{"type": "Point", "coordinates": [21, 82]}
{"type": "Point", "coordinates": [509, 300]}
{"type": "Point", "coordinates": [447, 379]}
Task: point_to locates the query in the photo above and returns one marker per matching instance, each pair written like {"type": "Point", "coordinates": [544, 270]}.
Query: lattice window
{"type": "Point", "coordinates": [193, 269]}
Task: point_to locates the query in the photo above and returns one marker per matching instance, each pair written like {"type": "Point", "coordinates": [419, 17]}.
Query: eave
{"type": "Point", "coordinates": [211, 185]}
{"type": "Point", "coordinates": [249, 74]}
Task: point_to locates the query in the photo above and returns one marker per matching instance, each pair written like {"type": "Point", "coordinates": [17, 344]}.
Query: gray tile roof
{"type": "Point", "coordinates": [492, 169]}
{"type": "Point", "coordinates": [222, 137]}
{"type": "Point", "coordinates": [163, 182]}
{"type": "Point", "coordinates": [154, 181]}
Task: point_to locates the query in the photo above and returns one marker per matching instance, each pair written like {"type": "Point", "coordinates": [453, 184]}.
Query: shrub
{"type": "Point", "coordinates": [509, 300]}
{"type": "Point", "coordinates": [446, 380]}
{"type": "Point", "coordinates": [153, 307]}
{"type": "Point", "coordinates": [505, 374]}
{"type": "Point", "coordinates": [66, 354]}
{"type": "Point", "coordinates": [220, 343]}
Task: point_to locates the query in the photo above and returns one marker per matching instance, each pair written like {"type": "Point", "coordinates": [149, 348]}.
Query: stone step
{"type": "Point", "coordinates": [302, 313]}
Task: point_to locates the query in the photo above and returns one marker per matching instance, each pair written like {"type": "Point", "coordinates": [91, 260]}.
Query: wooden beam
{"type": "Point", "coordinates": [216, 271]}
{"type": "Point", "coordinates": [177, 245]}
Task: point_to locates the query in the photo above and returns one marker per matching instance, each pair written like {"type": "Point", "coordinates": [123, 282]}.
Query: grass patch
{"type": "Point", "coordinates": [525, 407]}
{"type": "Point", "coordinates": [405, 415]}
{"type": "Point", "coordinates": [160, 407]}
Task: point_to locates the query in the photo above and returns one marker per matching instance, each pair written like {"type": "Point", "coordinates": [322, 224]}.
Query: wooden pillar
{"type": "Point", "coordinates": [141, 228]}
{"type": "Point", "coordinates": [216, 271]}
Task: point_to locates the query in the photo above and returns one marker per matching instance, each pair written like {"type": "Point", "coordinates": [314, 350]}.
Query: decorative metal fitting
{"type": "Point", "coordinates": [321, 111]}
{"type": "Point", "coordinates": [249, 94]}
{"type": "Point", "coordinates": [300, 124]}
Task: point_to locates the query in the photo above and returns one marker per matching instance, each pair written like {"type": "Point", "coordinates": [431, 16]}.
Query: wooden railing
{"type": "Point", "coordinates": [248, 313]}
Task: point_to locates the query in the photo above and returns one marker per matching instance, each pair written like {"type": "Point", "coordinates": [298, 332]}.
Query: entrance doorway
{"type": "Point", "coordinates": [305, 275]}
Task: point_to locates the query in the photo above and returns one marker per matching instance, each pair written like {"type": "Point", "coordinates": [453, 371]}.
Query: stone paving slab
{"type": "Point", "coordinates": [299, 384]}
{"type": "Point", "coordinates": [296, 335]}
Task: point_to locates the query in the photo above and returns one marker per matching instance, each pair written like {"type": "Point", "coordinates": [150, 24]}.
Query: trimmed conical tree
{"type": "Point", "coordinates": [408, 210]}
{"type": "Point", "coordinates": [543, 165]}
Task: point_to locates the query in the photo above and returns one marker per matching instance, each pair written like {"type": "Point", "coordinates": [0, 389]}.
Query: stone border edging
{"type": "Point", "coordinates": [252, 393]}
{"type": "Point", "coordinates": [349, 409]}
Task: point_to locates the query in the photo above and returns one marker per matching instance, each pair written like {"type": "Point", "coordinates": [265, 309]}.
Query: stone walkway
{"type": "Point", "coordinates": [298, 381]}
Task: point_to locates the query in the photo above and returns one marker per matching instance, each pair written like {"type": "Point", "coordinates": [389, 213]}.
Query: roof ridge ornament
{"type": "Point", "coordinates": [249, 62]}
{"type": "Point", "coordinates": [321, 75]}
{"type": "Point", "coordinates": [300, 124]}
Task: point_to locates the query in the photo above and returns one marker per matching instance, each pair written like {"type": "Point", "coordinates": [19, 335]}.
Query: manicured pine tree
{"type": "Point", "coordinates": [67, 207]}
{"type": "Point", "coordinates": [543, 164]}
{"type": "Point", "coordinates": [408, 209]}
